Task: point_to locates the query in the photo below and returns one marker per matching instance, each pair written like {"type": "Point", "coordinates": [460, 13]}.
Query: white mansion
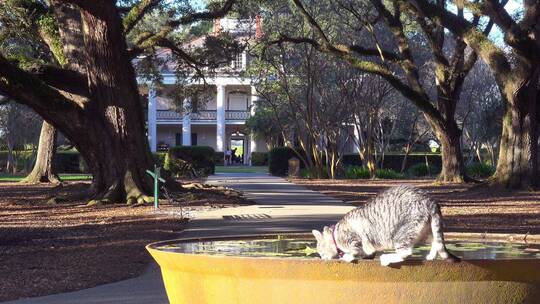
{"type": "Point", "coordinates": [221, 123]}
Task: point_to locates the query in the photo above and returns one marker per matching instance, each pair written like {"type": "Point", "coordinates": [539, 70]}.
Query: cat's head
{"type": "Point", "coordinates": [326, 247]}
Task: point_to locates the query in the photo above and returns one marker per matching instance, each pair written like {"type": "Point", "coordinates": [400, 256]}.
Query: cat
{"type": "Point", "coordinates": [395, 219]}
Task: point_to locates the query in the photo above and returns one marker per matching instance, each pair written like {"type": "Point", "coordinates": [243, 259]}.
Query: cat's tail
{"type": "Point", "coordinates": [437, 245]}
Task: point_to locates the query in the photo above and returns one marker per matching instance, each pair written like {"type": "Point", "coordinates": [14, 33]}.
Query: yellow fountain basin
{"type": "Point", "coordinates": [201, 278]}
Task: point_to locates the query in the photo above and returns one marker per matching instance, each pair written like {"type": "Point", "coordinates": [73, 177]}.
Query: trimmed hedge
{"type": "Point", "coordinates": [201, 158]}
{"type": "Point", "coordinates": [219, 158]}
{"type": "Point", "coordinates": [65, 161]}
{"type": "Point", "coordinates": [480, 170]}
{"type": "Point", "coordinates": [278, 160]}
{"type": "Point", "coordinates": [259, 158]}
{"type": "Point", "coordinates": [421, 170]}
{"type": "Point", "coordinates": [393, 161]}
{"type": "Point", "coordinates": [356, 172]}
{"type": "Point", "coordinates": [388, 174]}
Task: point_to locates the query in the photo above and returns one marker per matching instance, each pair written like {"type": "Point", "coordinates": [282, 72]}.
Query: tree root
{"type": "Point", "coordinates": [36, 178]}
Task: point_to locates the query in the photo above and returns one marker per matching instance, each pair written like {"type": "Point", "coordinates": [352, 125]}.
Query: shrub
{"type": "Point", "coordinates": [306, 173]}
{"type": "Point", "coordinates": [219, 158]}
{"type": "Point", "coordinates": [159, 158]}
{"type": "Point", "coordinates": [356, 172]}
{"type": "Point", "coordinates": [179, 167]}
{"type": "Point", "coordinates": [259, 158]}
{"type": "Point", "coordinates": [394, 161]}
{"type": "Point", "coordinates": [389, 174]}
{"type": "Point", "coordinates": [419, 170]}
{"type": "Point", "coordinates": [70, 162]}
{"type": "Point", "coordinates": [200, 158]}
{"type": "Point", "coordinates": [278, 160]}
{"type": "Point", "coordinates": [480, 170]}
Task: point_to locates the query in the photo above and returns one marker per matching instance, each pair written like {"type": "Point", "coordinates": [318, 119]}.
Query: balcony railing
{"type": "Point", "coordinates": [168, 115]}
{"type": "Point", "coordinates": [203, 115]}
{"type": "Point", "coordinates": [236, 115]}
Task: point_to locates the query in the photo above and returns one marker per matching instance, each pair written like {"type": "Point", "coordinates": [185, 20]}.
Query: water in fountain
{"type": "Point", "coordinates": [284, 246]}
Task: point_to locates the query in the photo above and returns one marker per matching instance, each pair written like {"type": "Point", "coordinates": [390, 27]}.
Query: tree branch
{"type": "Point", "coordinates": [493, 55]}
{"type": "Point", "coordinates": [532, 14]}
{"type": "Point", "coordinates": [208, 15]}
{"type": "Point", "coordinates": [498, 14]}
{"type": "Point", "coordinates": [346, 49]}
{"type": "Point", "coordinates": [147, 39]}
{"type": "Point", "coordinates": [414, 91]}
{"type": "Point", "coordinates": [66, 80]}
{"type": "Point", "coordinates": [137, 12]}
{"type": "Point", "coordinates": [314, 25]}
{"type": "Point", "coordinates": [31, 91]}
{"type": "Point", "coordinates": [418, 98]}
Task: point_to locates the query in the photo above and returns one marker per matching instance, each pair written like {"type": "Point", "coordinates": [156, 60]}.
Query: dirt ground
{"type": "Point", "coordinates": [46, 249]}
{"type": "Point", "coordinates": [466, 208]}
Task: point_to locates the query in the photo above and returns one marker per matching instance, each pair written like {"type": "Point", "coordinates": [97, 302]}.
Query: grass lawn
{"type": "Point", "coordinates": [64, 177]}
{"type": "Point", "coordinates": [241, 169]}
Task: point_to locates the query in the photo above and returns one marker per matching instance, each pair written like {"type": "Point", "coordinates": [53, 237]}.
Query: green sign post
{"type": "Point", "coordinates": [157, 178]}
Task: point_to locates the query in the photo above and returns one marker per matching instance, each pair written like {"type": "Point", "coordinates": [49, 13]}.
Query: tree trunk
{"type": "Point", "coordinates": [44, 169]}
{"type": "Point", "coordinates": [517, 165]}
{"type": "Point", "coordinates": [405, 158]}
{"type": "Point", "coordinates": [491, 153]}
{"type": "Point", "coordinates": [448, 134]}
{"type": "Point", "coordinates": [116, 149]}
{"type": "Point", "coordinates": [370, 157]}
{"type": "Point", "coordinates": [10, 165]}
{"type": "Point", "coordinates": [478, 151]}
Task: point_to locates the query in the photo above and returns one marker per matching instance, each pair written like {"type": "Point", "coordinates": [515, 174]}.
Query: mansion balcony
{"type": "Point", "coordinates": [203, 115]}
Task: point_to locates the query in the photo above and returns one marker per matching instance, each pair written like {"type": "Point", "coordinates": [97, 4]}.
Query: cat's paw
{"type": "Point", "coordinates": [347, 258]}
{"type": "Point", "coordinates": [431, 257]}
{"type": "Point", "coordinates": [385, 260]}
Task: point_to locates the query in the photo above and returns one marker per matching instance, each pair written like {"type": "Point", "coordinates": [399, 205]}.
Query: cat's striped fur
{"type": "Point", "coordinates": [395, 219]}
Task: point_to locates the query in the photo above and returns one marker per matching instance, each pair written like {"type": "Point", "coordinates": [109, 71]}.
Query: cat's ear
{"type": "Point", "coordinates": [317, 235]}
{"type": "Point", "coordinates": [326, 229]}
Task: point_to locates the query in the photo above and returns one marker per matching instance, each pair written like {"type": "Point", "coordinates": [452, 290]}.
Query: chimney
{"type": "Point", "coordinates": [258, 27]}
{"type": "Point", "coordinates": [217, 27]}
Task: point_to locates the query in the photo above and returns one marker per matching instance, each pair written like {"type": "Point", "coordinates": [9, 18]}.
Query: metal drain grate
{"type": "Point", "coordinates": [244, 217]}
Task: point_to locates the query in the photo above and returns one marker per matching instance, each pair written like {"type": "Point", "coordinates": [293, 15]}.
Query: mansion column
{"type": "Point", "coordinates": [253, 109]}
{"type": "Point", "coordinates": [186, 123]}
{"type": "Point", "coordinates": [152, 118]}
{"type": "Point", "coordinates": [220, 118]}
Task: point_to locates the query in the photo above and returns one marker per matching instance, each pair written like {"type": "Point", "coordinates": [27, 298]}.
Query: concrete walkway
{"type": "Point", "coordinates": [279, 206]}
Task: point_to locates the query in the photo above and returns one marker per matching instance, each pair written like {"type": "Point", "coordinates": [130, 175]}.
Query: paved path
{"type": "Point", "coordinates": [279, 206]}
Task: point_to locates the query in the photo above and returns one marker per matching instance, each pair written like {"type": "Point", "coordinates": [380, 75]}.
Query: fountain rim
{"type": "Point", "coordinates": [477, 237]}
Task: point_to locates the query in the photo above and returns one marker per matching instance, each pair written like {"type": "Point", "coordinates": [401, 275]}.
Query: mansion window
{"type": "Point", "coordinates": [238, 62]}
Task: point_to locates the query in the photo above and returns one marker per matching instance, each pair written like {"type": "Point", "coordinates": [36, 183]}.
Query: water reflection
{"type": "Point", "coordinates": [305, 247]}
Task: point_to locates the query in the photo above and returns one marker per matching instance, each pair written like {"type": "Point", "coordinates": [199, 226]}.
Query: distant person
{"type": "Point", "coordinates": [228, 154]}
{"type": "Point", "coordinates": [233, 156]}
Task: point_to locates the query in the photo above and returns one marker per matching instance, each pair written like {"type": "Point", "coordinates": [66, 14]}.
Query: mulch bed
{"type": "Point", "coordinates": [466, 208]}
{"type": "Point", "coordinates": [46, 249]}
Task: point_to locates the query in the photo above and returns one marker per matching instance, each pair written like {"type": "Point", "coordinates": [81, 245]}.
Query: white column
{"type": "Point", "coordinates": [252, 140]}
{"type": "Point", "coordinates": [152, 118]}
{"type": "Point", "coordinates": [186, 123]}
{"type": "Point", "coordinates": [220, 117]}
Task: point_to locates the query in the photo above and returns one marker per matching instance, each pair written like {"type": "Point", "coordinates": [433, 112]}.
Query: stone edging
{"type": "Point", "coordinates": [510, 237]}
